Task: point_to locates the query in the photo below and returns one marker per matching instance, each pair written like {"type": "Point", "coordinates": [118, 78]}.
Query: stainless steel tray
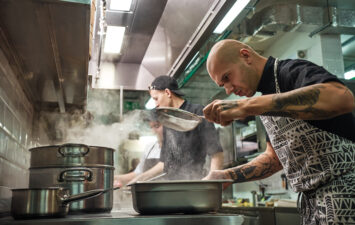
{"type": "Point", "coordinates": [161, 197]}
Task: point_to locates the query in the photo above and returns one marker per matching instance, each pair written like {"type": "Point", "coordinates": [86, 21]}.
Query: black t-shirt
{"type": "Point", "coordinates": [293, 74]}
{"type": "Point", "coordinates": [184, 153]}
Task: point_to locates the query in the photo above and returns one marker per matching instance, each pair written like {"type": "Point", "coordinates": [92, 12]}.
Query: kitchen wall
{"type": "Point", "coordinates": [16, 115]}
{"type": "Point", "coordinates": [324, 50]}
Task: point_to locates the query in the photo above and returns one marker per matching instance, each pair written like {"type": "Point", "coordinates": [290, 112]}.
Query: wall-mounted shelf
{"type": "Point", "coordinates": [250, 137]}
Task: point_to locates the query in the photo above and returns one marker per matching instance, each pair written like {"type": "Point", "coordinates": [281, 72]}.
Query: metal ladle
{"type": "Point", "coordinates": [178, 119]}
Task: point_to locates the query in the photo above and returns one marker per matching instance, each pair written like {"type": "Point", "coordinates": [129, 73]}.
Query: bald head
{"type": "Point", "coordinates": [236, 67]}
{"type": "Point", "coordinates": [226, 51]}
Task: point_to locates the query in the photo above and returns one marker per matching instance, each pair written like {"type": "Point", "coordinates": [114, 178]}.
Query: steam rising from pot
{"type": "Point", "coordinates": [85, 129]}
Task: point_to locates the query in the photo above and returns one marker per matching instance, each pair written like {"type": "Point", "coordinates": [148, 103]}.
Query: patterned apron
{"type": "Point", "coordinates": [317, 163]}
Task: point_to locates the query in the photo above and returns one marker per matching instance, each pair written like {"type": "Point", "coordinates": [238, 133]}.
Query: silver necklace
{"type": "Point", "coordinates": [275, 74]}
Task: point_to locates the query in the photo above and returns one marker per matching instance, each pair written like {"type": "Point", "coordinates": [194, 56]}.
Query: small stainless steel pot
{"type": "Point", "coordinates": [46, 202]}
{"type": "Point", "coordinates": [160, 197]}
{"type": "Point", "coordinates": [71, 154]}
{"type": "Point", "coordinates": [77, 180]}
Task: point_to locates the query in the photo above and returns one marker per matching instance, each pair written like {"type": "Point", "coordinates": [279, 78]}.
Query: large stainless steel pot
{"type": "Point", "coordinates": [71, 155]}
{"type": "Point", "coordinates": [159, 197]}
{"type": "Point", "coordinates": [45, 202]}
{"type": "Point", "coordinates": [77, 180]}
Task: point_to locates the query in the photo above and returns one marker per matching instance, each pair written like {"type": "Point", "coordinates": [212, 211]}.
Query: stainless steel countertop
{"type": "Point", "coordinates": [129, 217]}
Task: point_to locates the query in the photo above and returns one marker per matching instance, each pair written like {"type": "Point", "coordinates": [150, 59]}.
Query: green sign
{"type": "Point", "coordinates": [131, 105]}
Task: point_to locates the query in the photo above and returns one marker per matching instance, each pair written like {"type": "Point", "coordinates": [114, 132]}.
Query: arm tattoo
{"type": "Point", "coordinates": [342, 87]}
{"type": "Point", "coordinates": [321, 114]}
{"type": "Point", "coordinates": [307, 98]}
{"type": "Point", "coordinates": [263, 166]}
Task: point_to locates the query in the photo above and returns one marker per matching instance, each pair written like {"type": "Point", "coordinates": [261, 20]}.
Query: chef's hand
{"type": "Point", "coordinates": [134, 180]}
{"type": "Point", "coordinates": [225, 111]}
{"type": "Point", "coordinates": [117, 182]}
{"type": "Point", "coordinates": [219, 175]}
{"type": "Point", "coordinates": [140, 177]}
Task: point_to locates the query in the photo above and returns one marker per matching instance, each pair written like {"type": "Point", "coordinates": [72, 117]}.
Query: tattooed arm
{"type": "Point", "coordinates": [319, 101]}
{"type": "Point", "coordinates": [315, 102]}
{"type": "Point", "coordinates": [261, 167]}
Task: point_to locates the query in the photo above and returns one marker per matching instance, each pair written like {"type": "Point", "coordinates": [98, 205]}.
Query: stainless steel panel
{"type": "Point", "coordinates": [140, 25]}
{"type": "Point", "coordinates": [146, 17]}
{"type": "Point", "coordinates": [158, 51]}
{"type": "Point", "coordinates": [179, 21]}
{"type": "Point", "coordinates": [129, 75]}
{"type": "Point", "coordinates": [55, 48]}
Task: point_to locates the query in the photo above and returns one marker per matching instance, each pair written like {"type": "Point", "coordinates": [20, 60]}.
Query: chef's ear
{"type": "Point", "coordinates": [168, 92]}
{"type": "Point", "coordinates": [245, 54]}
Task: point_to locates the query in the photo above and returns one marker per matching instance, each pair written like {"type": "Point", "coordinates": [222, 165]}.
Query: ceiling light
{"type": "Point", "coordinates": [238, 6]}
{"type": "Point", "coordinates": [121, 5]}
{"type": "Point", "coordinates": [349, 75]}
{"type": "Point", "coordinates": [150, 104]}
{"type": "Point", "coordinates": [114, 39]}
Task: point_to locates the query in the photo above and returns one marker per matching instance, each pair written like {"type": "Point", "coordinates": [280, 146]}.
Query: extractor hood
{"type": "Point", "coordinates": [47, 45]}
{"type": "Point", "coordinates": [156, 33]}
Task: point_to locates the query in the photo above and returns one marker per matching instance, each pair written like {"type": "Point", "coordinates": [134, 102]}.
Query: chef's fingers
{"type": "Point", "coordinates": [210, 111]}
{"type": "Point", "coordinates": [207, 111]}
{"type": "Point", "coordinates": [216, 111]}
{"type": "Point", "coordinates": [226, 117]}
{"type": "Point", "coordinates": [207, 108]}
{"type": "Point", "coordinates": [117, 184]}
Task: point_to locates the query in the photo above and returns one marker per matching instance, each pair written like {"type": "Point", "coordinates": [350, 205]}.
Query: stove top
{"type": "Point", "coordinates": [124, 217]}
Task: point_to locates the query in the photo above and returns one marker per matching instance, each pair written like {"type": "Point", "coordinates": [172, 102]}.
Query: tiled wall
{"type": "Point", "coordinates": [14, 156]}
{"type": "Point", "coordinates": [16, 115]}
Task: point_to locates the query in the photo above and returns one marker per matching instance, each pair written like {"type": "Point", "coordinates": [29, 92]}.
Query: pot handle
{"type": "Point", "coordinates": [62, 177]}
{"type": "Point", "coordinates": [70, 145]}
{"type": "Point", "coordinates": [87, 194]}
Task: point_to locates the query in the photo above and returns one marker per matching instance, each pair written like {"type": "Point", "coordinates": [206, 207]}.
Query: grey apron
{"type": "Point", "coordinates": [150, 162]}
{"type": "Point", "coordinates": [318, 163]}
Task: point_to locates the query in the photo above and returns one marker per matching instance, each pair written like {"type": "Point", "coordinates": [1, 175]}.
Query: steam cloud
{"type": "Point", "coordinates": [83, 129]}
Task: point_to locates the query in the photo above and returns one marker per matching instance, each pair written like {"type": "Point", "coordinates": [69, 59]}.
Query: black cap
{"type": "Point", "coordinates": [163, 82]}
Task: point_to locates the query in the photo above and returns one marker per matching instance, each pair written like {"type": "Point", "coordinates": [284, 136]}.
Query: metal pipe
{"type": "Point", "coordinates": [322, 28]}
{"type": "Point", "coordinates": [201, 62]}
{"type": "Point", "coordinates": [347, 42]}
{"type": "Point", "coordinates": [253, 198]}
{"type": "Point", "coordinates": [102, 25]}
{"type": "Point", "coordinates": [121, 103]}
{"type": "Point", "coordinates": [234, 146]}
